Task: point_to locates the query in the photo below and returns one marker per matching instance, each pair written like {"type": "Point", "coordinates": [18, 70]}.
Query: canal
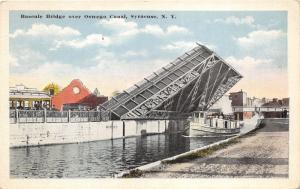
{"type": "Point", "coordinates": [98, 159]}
{"type": "Point", "coordinates": [101, 159]}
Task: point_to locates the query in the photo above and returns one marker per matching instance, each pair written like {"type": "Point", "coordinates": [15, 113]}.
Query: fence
{"type": "Point", "coordinates": [50, 116]}
{"type": "Point", "coordinates": [165, 115]}
{"type": "Point", "coordinates": [260, 109]}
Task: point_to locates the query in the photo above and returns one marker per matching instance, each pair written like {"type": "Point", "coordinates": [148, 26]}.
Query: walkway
{"type": "Point", "coordinates": [262, 154]}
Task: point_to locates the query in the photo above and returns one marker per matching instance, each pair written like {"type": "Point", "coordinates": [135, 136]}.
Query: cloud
{"type": "Point", "coordinates": [124, 28]}
{"type": "Point", "coordinates": [108, 72]}
{"type": "Point", "coordinates": [120, 26]}
{"type": "Point", "coordinates": [259, 38]}
{"type": "Point", "coordinates": [158, 31]}
{"type": "Point", "coordinates": [249, 65]}
{"type": "Point", "coordinates": [46, 30]}
{"type": "Point", "coordinates": [180, 45]}
{"type": "Point", "coordinates": [107, 76]}
{"type": "Point", "coordinates": [92, 39]}
{"type": "Point", "coordinates": [185, 46]}
{"type": "Point", "coordinates": [260, 77]}
{"type": "Point", "coordinates": [135, 53]}
{"type": "Point", "coordinates": [176, 29]}
{"type": "Point", "coordinates": [13, 61]}
{"type": "Point", "coordinates": [25, 58]}
{"type": "Point", "coordinates": [265, 44]}
{"type": "Point", "coordinates": [247, 20]}
{"type": "Point", "coordinates": [159, 63]}
{"type": "Point", "coordinates": [153, 29]}
{"type": "Point", "coordinates": [121, 30]}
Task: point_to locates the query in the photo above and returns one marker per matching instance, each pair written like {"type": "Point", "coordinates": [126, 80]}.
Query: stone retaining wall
{"type": "Point", "coordinates": [34, 134]}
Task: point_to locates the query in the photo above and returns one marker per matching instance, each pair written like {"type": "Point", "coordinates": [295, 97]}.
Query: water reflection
{"type": "Point", "coordinates": [98, 159]}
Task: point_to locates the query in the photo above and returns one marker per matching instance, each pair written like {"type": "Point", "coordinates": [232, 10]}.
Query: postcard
{"type": "Point", "coordinates": [160, 93]}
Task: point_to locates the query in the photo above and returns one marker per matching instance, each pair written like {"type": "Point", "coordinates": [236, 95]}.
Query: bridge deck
{"type": "Point", "coordinates": [197, 78]}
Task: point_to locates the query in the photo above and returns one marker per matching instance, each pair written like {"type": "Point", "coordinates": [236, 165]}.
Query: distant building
{"type": "Point", "coordinates": [77, 96]}
{"type": "Point", "coordinates": [276, 103]}
{"type": "Point", "coordinates": [249, 102]}
{"type": "Point", "coordinates": [22, 97]}
{"type": "Point", "coordinates": [265, 100]}
{"type": "Point", "coordinates": [285, 101]}
{"type": "Point", "coordinates": [253, 102]}
{"type": "Point", "coordinates": [257, 102]}
{"type": "Point", "coordinates": [242, 105]}
{"type": "Point", "coordinates": [238, 98]}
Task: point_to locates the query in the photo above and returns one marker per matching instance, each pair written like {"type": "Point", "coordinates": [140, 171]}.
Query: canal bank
{"type": "Point", "coordinates": [45, 133]}
{"type": "Point", "coordinates": [260, 153]}
{"type": "Point", "coordinates": [99, 159]}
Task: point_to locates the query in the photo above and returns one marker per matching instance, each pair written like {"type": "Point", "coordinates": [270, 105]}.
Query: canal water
{"type": "Point", "coordinates": [98, 159]}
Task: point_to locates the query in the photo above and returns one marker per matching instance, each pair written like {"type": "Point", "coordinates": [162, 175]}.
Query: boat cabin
{"type": "Point", "coordinates": [215, 120]}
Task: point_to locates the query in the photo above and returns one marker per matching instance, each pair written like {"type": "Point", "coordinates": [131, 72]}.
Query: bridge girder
{"type": "Point", "coordinates": [196, 80]}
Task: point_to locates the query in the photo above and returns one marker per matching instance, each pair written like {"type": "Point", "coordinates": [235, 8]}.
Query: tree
{"type": "Point", "coordinates": [52, 88]}
{"type": "Point", "coordinates": [115, 93]}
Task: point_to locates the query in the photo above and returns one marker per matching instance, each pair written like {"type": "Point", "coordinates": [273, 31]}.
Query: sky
{"type": "Point", "coordinates": [117, 49]}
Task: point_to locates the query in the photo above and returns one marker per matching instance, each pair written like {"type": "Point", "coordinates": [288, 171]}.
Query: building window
{"type": "Point", "coordinates": [76, 90]}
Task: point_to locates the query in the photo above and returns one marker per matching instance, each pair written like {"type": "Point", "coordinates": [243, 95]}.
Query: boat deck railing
{"type": "Point", "coordinates": [219, 123]}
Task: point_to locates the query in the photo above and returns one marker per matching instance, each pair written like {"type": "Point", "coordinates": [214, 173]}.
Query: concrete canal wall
{"type": "Point", "coordinates": [34, 134]}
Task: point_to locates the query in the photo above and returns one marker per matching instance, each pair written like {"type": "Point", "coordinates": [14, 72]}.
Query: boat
{"type": "Point", "coordinates": [208, 124]}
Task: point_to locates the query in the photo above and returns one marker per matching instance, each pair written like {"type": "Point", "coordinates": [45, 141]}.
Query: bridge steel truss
{"type": "Point", "coordinates": [194, 81]}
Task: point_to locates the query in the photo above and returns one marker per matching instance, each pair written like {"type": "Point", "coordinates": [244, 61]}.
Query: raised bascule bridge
{"type": "Point", "coordinates": [193, 81]}
{"type": "Point", "coordinates": [160, 103]}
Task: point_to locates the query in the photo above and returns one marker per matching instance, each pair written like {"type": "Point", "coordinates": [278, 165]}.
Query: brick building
{"type": "Point", "coordinates": [77, 94]}
{"type": "Point", "coordinates": [238, 98]}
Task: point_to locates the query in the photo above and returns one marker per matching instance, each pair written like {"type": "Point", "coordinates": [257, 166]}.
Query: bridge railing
{"type": "Point", "coordinates": [57, 117]}
{"type": "Point", "coordinates": [164, 115]}
{"type": "Point", "coordinates": [259, 109]}
{"type": "Point", "coordinates": [51, 116]}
